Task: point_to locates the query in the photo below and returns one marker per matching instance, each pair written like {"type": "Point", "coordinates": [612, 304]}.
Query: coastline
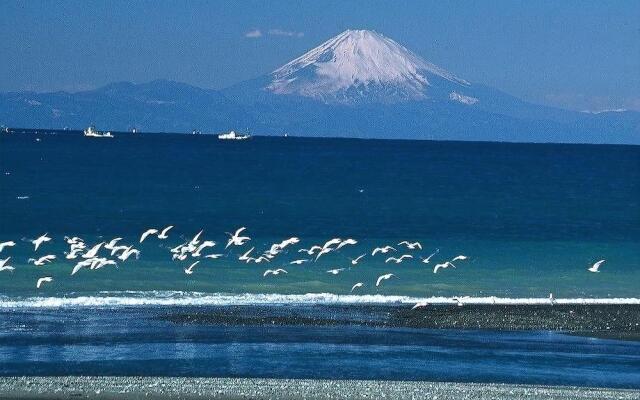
{"type": "Point", "coordinates": [125, 388]}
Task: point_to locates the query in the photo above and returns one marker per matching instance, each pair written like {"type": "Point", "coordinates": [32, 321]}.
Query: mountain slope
{"type": "Point", "coordinates": [360, 66]}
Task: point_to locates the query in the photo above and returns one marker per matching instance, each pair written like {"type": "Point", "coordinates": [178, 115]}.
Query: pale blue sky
{"type": "Point", "coordinates": [573, 54]}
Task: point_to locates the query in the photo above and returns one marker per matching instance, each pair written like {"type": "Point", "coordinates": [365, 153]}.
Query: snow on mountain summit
{"type": "Point", "coordinates": [357, 66]}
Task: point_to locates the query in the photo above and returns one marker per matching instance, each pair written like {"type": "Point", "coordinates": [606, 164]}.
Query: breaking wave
{"type": "Point", "coordinates": [179, 298]}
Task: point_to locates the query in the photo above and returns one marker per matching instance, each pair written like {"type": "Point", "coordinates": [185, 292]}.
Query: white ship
{"type": "Point", "coordinates": [92, 132]}
{"type": "Point", "coordinates": [232, 136]}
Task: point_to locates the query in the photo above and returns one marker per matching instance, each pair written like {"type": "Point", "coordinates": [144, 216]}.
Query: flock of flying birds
{"type": "Point", "coordinates": [93, 257]}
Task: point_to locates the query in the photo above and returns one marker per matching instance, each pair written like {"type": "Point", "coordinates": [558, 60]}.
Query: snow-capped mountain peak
{"type": "Point", "coordinates": [357, 66]}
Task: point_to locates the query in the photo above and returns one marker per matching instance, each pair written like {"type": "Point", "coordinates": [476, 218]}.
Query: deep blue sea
{"type": "Point", "coordinates": [530, 218]}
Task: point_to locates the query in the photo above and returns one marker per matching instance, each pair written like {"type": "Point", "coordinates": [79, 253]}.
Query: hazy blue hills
{"type": "Point", "coordinates": [356, 84]}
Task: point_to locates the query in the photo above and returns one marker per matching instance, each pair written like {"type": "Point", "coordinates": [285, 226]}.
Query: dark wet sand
{"type": "Point", "coordinates": [604, 321]}
{"type": "Point", "coordinates": [286, 389]}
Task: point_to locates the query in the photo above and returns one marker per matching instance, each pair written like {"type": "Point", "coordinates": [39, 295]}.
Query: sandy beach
{"type": "Point", "coordinates": [231, 388]}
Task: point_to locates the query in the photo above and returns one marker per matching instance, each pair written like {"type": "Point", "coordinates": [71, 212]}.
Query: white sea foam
{"type": "Point", "coordinates": [175, 298]}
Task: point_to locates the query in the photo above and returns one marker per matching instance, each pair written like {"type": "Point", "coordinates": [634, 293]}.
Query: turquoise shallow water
{"type": "Point", "coordinates": [531, 218]}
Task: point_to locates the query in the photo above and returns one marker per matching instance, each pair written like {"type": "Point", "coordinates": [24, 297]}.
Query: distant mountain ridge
{"type": "Point", "coordinates": [357, 84]}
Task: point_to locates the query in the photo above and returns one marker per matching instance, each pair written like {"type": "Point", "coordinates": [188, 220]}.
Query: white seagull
{"type": "Point", "coordinates": [346, 242]}
{"type": "Point", "coordinates": [146, 233]}
{"type": "Point", "coordinates": [10, 243]}
{"type": "Point", "coordinates": [236, 239]}
{"type": "Point", "coordinates": [42, 239]}
{"type": "Point", "coordinates": [323, 252]}
{"type": "Point", "coordinates": [163, 233]}
{"type": "Point", "coordinates": [310, 251]}
{"type": "Point", "coordinates": [112, 243]}
{"type": "Point", "coordinates": [411, 246]}
{"type": "Point", "coordinates": [42, 260]}
{"type": "Point", "coordinates": [335, 271]}
{"type": "Point", "coordinates": [189, 270]}
{"type": "Point", "coordinates": [398, 260]}
{"type": "Point", "coordinates": [128, 252]}
{"type": "Point", "coordinates": [459, 258]}
{"type": "Point", "coordinates": [73, 254]}
{"type": "Point", "coordinates": [357, 285]}
{"type": "Point", "coordinates": [382, 250]}
{"type": "Point", "coordinates": [213, 256]}
{"type": "Point", "coordinates": [445, 264]}
{"type": "Point", "coordinates": [594, 267]}
{"type": "Point", "coordinates": [4, 266]}
{"type": "Point", "coordinates": [93, 251]}
{"type": "Point", "coordinates": [246, 256]}
{"type": "Point", "coordinates": [274, 272]}
{"type": "Point", "coordinates": [196, 240]}
{"type": "Point", "coordinates": [43, 280]}
{"type": "Point", "coordinates": [383, 278]}
{"type": "Point", "coordinates": [81, 264]}
{"type": "Point", "coordinates": [420, 304]}
{"type": "Point", "coordinates": [354, 261]}
{"type": "Point", "coordinates": [298, 262]}
{"type": "Point", "coordinates": [332, 242]}
{"type": "Point", "coordinates": [204, 245]}
{"type": "Point", "coordinates": [426, 260]}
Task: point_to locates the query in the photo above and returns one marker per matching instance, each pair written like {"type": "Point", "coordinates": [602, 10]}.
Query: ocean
{"type": "Point", "coordinates": [530, 218]}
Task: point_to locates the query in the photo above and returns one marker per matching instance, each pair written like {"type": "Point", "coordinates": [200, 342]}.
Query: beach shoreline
{"type": "Point", "coordinates": [125, 388]}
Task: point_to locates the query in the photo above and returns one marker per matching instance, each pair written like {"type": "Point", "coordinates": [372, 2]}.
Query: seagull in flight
{"type": "Point", "coordinates": [151, 231]}
{"type": "Point", "coordinates": [93, 251]}
{"type": "Point", "coordinates": [204, 245]}
{"type": "Point", "coordinates": [163, 233]}
{"type": "Point", "coordinates": [213, 256]}
{"type": "Point", "coordinates": [346, 242]}
{"type": "Point", "coordinates": [189, 270]}
{"type": "Point", "coordinates": [459, 258]}
{"type": "Point", "coordinates": [354, 261]}
{"type": "Point", "coordinates": [236, 239]}
{"type": "Point", "coordinates": [298, 262]}
{"type": "Point", "coordinates": [357, 285]}
{"type": "Point", "coordinates": [445, 264]}
{"type": "Point", "coordinates": [81, 264]}
{"type": "Point", "coordinates": [335, 271]}
{"type": "Point", "coordinates": [398, 260]}
{"type": "Point", "coordinates": [43, 280]}
{"type": "Point", "coordinates": [195, 241]}
{"type": "Point", "coordinates": [42, 239]}
{"type": "Point", "coordinates": [73, 240]}
{"type": "Point", "coordinates": [245, 256]}
{"type": "Point", "coordinates": [128, 252]}
{"type": "Point", "coordinates": [73, 254]}
{"type": "Point", "coordinates": [420, 304]}
{"type": "Point", "coordinates": [112, 243]}
{"type": "Point", "coordinates": [382, 250]}
{"type": "Point", "coordinates": [323, 251]}
{"type": "Point", "coordinates": [42, 260]}
{"type": "Point", "coordinates": [310, 251]}
{"type": "Point", "coordinates": [331, 243]}
{"type": "Point", "coordinates": [411, 246]}
{"type": "Point", "coordinates": [4, 266]}
{"type": "Point", "coordinates": [274, 272]}
{"type": "Point", "coordinates": [10, 243]}
{"type": "Point", "coordinates": [383, 278]}
{"type": "Point", "coordinates": [426, 260]}
{"type": "Point", "coordinates": [594, 267]}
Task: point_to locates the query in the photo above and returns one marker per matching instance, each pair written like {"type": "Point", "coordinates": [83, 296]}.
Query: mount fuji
{"type": "Point", "coordinates": [358, 84]}
{"type": "Point", "coordinates": [362, 66]}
